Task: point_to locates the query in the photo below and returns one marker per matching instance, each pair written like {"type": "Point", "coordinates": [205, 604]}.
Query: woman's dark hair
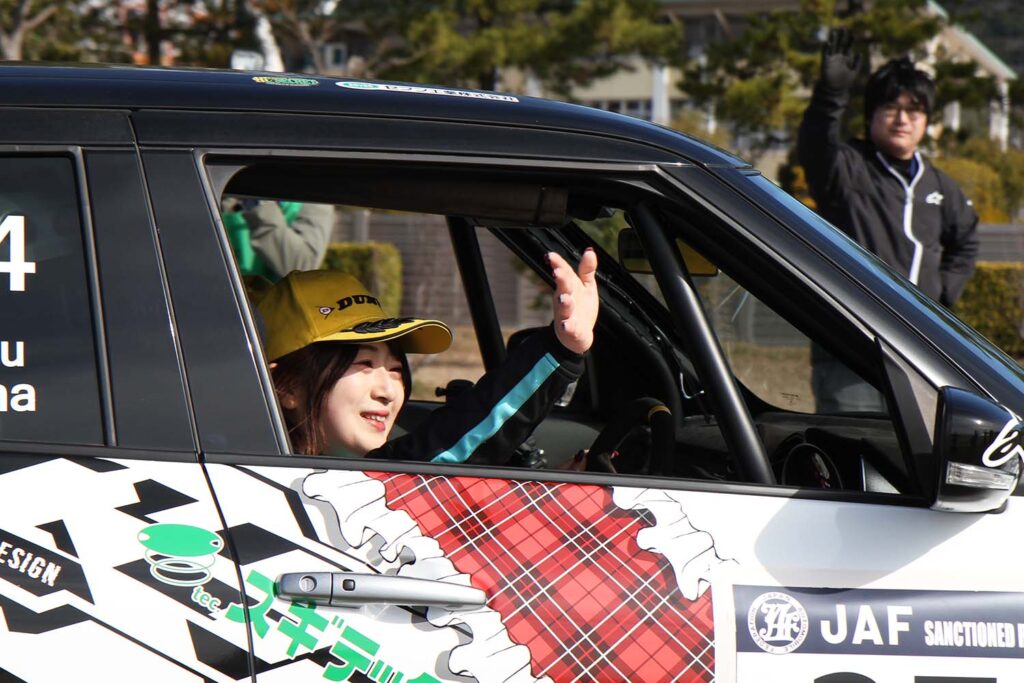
{"type": "Point", "coordinates": [894, 78]}
{"type": "Point", "coordinates": [310, 373]}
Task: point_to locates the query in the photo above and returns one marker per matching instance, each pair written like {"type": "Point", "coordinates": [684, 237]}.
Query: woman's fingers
{"type": "Point", "coordinates": [588, 268]}
{"type": "Point", "coordinates": [575, 300]}
{"type": "Point", "coordinates": [564, 305]}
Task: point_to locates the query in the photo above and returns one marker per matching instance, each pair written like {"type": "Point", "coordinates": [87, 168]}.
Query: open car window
{"type": "Point", "coordinates": [395, 230]}
{"type": "Point", "coordinates": [822, 423]}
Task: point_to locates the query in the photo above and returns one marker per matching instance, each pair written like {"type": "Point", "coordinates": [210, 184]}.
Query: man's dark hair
{"type": "Point", "coordinates": [894, 78]}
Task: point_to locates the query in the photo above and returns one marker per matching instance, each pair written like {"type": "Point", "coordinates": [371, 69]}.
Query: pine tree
{"type": "Point", "coordinates": [759, 82]}
{"type": "Point", "coordinates": [467, 42]}
{"type": "Point", "coordinates": [303, 28]}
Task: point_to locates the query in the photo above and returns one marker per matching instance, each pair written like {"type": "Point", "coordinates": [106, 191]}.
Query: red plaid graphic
{"type": "Point", "coordinates": [562, 566]}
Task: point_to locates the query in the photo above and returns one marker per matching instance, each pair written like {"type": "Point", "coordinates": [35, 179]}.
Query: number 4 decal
{"type": "Point", "coordinates": [16, 266]}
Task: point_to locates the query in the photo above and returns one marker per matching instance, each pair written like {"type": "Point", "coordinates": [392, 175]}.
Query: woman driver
{"type": "Point", "coordinates": [339, 368]}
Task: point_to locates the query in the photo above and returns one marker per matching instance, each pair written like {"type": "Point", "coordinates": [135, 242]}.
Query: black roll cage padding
{"type": "Point", "coordinates": [466, 245]}
{"type": "Point", "coordinates": [681, 296]}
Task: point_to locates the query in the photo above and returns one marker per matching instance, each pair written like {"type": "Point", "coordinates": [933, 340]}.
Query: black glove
{"type": "Point", "coordinates": [839, 63]}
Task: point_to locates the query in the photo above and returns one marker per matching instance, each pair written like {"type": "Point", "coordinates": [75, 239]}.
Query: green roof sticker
{"type": "Point", "coordinates": [421, 90]}
{"type": "Point", "coordinates": [285, 80]}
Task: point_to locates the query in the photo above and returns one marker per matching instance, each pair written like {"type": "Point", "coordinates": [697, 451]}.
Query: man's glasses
{"type": "Point", "coordinates": [914, 112]}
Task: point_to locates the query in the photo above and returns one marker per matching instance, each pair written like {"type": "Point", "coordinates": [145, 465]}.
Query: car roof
{"type": "Point", "coordinates": [131, 87]}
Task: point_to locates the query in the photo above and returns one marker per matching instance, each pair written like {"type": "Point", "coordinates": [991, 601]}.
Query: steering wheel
{"type": "Point", "coordinates": [808, 466]}
{"type": "Point", "coordinates": [639, 412]}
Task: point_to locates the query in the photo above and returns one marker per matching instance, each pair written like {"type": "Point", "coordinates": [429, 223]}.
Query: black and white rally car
{"type": "Point", "coordinates": [154, 525]}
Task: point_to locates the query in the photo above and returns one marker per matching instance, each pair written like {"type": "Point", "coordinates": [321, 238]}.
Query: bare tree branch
{"type": "Point", "coordinates": [39, 19]}
{"type": "Point", "coordinates": [22, 23]}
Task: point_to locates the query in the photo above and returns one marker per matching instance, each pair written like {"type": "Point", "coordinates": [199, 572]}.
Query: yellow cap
{"type": "Point", "coordinates": [323, 305]}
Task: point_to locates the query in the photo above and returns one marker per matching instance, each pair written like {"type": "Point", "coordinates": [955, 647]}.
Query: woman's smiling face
{"type": "Point", "coordinates": [361, 407]}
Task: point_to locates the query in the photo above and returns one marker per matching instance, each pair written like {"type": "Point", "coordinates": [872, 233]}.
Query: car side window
{"type": "Point", "coordinates": [49, 389]}
{"type": "Point", "coordinates": [822, 423]}
{"type": "Point", "coordinates": [778, 362]}
{"type": "Point", "coordinates": [389, 231]}
{"type": "Point", "coordinates": [769, 355]}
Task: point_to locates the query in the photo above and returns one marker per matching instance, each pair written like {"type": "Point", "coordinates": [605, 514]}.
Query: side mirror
{"type": "Point", "coordinates": [634, 260]}
{"type": "Point", "coordinates": [978, 452]}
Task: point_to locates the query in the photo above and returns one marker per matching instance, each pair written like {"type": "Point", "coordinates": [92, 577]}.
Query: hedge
{"type": "Point", "coordinates": [993, 304]}
{"type": "Point", "coordinates": [377, 265]}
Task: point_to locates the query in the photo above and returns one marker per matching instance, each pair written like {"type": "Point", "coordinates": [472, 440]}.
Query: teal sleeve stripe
{"type": "Point", "coordinates": [508, 406]}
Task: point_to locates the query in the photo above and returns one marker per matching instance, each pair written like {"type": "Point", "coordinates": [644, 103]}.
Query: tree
{"type": "Point", "coordinates": [304, 27]}
{"type": "Point", "coordinates": [179, 32]}
{"type": "Point", "coordinates": [759, 80]}
{"type": "Point", "coordinates": [80, 30]}
{"type": "Point", "coordinates": [694, 122]}
{"type": "Point", "coordinates": [34, 29]}
{"type": "Point", "coordinates": [206, 32]}
{"type": "Point", "coordinates": [467, 42]}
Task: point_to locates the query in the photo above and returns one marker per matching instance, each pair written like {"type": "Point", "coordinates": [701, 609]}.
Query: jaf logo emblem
{"type": "Point", "coordinates": [777, 622]}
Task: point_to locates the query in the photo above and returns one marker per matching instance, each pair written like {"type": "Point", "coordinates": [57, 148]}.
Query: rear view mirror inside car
{"type": "Point", "coordinates": [633, 258]}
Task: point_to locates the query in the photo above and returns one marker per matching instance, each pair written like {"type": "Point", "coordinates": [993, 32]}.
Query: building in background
{"type": "Point", "coordinates": [653, 92]}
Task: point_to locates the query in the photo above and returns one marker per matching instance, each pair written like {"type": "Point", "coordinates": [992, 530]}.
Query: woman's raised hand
{"type": "Point", "coordinates": [575, 303]}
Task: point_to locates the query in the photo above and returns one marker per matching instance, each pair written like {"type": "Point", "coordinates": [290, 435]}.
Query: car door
{"type": "Point", "coordinates": [846, 587]}
{"type": "Point", "coordinates": [690, 573]}
{"type": "Point", "coordinates": [112, 554]}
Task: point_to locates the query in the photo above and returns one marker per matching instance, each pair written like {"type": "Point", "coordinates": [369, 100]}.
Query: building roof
{"type": "Point", "coordinates": [967, 44]}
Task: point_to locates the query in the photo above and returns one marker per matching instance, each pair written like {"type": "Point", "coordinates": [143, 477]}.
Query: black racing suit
{"type": "Point", "coordinates": [484, 425]}
{"type": "Point", "coordinates": [921, 225]}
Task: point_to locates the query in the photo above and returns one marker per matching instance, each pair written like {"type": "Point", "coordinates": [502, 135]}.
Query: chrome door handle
{"type": "Point", "coordinates": [347, 588]}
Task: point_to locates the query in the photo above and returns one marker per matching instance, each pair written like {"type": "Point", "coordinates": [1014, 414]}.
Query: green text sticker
{"type": "Point", "coordinates": [285, 80]}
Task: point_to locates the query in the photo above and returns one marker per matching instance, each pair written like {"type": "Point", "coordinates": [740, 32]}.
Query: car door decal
{"type": "Point", "coordinates": [572, 591]}
{"type": "Point", "coordinates": [893, 635]}
{"type": "Point", "coordinates": [364, 516]}
{"type": "Point", "coordinates": [603, 606]}
{"type": "Point", "coordinates": [590, 582]}
{"type": "Point", "coordinates": [115, 566]}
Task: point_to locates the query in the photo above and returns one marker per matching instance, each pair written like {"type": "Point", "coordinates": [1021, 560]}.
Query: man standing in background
{"type": "Point", "coordinates": [883, 193]}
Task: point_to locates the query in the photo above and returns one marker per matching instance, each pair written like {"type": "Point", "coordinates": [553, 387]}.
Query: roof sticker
{"type": "Point", "coordinates": [420, 90]}
{"type": "Point", "coordinates": [285, 80]}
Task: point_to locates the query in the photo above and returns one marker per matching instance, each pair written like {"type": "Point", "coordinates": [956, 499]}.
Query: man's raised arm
{"type": "Point", "coordinates": [819, 140]}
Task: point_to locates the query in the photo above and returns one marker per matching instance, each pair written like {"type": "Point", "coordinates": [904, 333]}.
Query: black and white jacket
{"type": "Point", "coordinates": [923, 226]}
{"type": "Point", "coordinates": [484, 425]}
